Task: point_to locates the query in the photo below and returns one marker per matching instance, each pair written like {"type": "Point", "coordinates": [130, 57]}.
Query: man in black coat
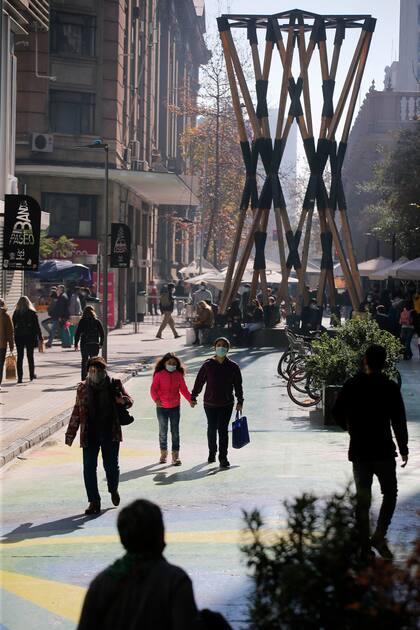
{"type": "Point", "coordinates": [368, 405]}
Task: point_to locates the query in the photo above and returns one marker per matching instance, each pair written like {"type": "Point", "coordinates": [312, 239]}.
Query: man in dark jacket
{"type": "Point", "coordinates": [60, 315]}
{"type": "Point", "coordinates": [141, 590]}
{"type": "Point", "coordinates": [368, 406]}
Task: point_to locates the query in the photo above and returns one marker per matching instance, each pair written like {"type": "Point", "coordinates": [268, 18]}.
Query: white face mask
{"type": "Point", "coordinates": [221, 351]}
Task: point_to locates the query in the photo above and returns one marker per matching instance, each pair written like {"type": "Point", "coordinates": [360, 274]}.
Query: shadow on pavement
{"type": "Point", "coordinates": [195, 473]}
{"type": "Point", "coordinates": [26, 531]}
{"type": "Point", "coordinates": [150, 469]}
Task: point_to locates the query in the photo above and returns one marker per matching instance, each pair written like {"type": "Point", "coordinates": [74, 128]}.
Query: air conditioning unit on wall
{"type": "Point", "coordinates": [43, 142]}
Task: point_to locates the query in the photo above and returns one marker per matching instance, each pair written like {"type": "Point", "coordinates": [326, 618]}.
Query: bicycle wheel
{"type": "Point", "coordinates": [285, 360]}
{"type": "Point", "coordinates": [306, 396]}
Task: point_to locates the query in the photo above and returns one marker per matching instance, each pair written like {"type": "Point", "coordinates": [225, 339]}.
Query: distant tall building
{"type": "Point", "coordinates": [288, 180]}
{"type": "Point", "coordinates": [404, 75]}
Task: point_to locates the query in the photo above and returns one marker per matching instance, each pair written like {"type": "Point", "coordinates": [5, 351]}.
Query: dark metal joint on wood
{"type": "Point", "coordinates": [369, 25]}
{"type": "Point", "coordinates": [223, 24]}
{"type": "Point", "coordinates": [252, 33]}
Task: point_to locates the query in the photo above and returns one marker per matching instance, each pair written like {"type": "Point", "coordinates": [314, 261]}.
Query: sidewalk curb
{"type": "Point", "coordinates": [41, 433]}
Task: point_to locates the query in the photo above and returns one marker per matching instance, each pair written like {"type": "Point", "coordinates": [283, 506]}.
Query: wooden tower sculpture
{"type": "Point", "coordinates": [288, 32]}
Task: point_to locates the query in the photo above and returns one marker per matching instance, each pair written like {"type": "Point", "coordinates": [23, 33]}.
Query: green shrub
{"type": "Point", "coordinates": [313, 578]}
{"type": "Point", "coordinates": [335, 359]}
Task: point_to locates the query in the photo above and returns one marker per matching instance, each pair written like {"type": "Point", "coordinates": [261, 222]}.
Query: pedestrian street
{"type": "Point", "coordinates": [51, 550]}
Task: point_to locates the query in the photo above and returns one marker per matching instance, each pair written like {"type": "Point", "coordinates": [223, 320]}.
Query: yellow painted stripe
{"type": "Point", "coordinates": [58, 598]}
{"type": "Point", "coordinates": [217, 536]}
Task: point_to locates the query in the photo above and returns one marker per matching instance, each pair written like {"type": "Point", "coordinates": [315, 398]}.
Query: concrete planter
{"type": "Point", "coordinates": [329, 396]}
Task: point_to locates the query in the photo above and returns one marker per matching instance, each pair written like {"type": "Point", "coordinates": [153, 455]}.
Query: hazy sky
{"type": "Point", "coordinates": [384, 48]}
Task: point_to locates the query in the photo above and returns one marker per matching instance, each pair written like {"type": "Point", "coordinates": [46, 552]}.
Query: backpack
{"type": "Point", "coordinates": [91, 333]}
{"type": "Point", "coordinates": [165, 302]}
{"type": "Point", "coordinates": [406, 319]}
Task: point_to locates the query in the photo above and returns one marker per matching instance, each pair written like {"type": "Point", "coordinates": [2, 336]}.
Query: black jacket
{"type": "Point", "coordinates": [153, 595]}
{"type": "Point", "coordinates": [367, 406]}
{"type": "Point", "coordinates": [27, 325]}
{"type": "Point", "coordinates": [61, 309]}
{"type": "Point", "coordinates": [89, 330]}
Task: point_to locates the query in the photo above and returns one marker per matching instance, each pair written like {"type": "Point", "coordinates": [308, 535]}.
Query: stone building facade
{"type": "Point", "coordinates": [115, 70]}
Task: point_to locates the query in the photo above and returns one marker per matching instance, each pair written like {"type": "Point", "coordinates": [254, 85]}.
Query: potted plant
{"type": "Point", "coordinates": [335, 359]}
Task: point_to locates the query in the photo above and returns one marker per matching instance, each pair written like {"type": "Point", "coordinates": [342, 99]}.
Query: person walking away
{"type": "Point", "coordinates": [181, 296]}
{"type": "Point", "coordinates": [168, 383]}
{"type": "Point", "coordinates": [141, 589]}
{"type": "Point", "coordinates": [60, 315]}
{"type": "Point", "coordinates": [204, 320]}
{"type": "Point", "coordinates": [96, 414]}
{"type": "Point", "coordinates": [27, 335]}
{"type": "Point", "coordinates": [47, 323]}
{"type": "Point", "coordinates": [203, 293]}
{"type": "Point", "coordinates": [152, 298]}
{"type": "Point", "coordinates": [407, 329]}
{"type": "Point", "coordinates": [90, 333]}
{"type": "Point", "coordinates": [6, 336]}
{"type": "Point", "coordinates": [222, 377]}
{"type": "Point", "coordinates": [416, 324]}
{"type": "Point", "coordinates": [166, 307]}
{"type": "Point", "coordinates": [368, 405]}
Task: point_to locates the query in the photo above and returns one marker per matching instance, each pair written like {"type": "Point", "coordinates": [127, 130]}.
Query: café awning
{"type": "Point", "coordinates": [154, 188]}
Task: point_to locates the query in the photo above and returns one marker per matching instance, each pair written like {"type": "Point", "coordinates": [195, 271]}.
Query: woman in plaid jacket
{"type": "Point", "coordinates": [95, 413]}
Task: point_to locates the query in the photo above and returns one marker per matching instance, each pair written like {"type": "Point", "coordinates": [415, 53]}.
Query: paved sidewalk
{"type": "Point", "coordinates": [31, 411]}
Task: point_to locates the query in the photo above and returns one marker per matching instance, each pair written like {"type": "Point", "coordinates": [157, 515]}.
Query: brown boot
{"type": "Point", "coordinates": [163, 456]}
{"type": "Point", "coordinates": [175, 459]}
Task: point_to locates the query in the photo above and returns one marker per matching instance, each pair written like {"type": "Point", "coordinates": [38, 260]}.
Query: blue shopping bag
{"type": "Point", "coordinates": [240, 433]}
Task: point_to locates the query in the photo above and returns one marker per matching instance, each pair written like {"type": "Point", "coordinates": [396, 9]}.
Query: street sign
{"type": "Point", "coordinates": [22, 229]}
{"type": "Point", "coordinates": [120, 245]}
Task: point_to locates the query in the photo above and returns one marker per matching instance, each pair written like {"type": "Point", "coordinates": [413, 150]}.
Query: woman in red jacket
{"type": "Point", "coordinates": [168, 383]}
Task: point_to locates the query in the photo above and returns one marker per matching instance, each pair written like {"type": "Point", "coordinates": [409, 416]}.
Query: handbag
{"type": "Point", "coordinates": [240, 433]}
{"type": "Point", "coordinates": [124, 417]}
{"type": "Point", "coordinates": [41, 345]}
{"type": "Point", "coordinates": [10, 364]}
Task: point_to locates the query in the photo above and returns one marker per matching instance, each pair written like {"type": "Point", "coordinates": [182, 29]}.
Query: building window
{"type": "Point", "coordinates": [71, 215]}
{"type": "Point", "coordinates": [73, 35]}
{"type": "Point", "coordinates": [72, 112]}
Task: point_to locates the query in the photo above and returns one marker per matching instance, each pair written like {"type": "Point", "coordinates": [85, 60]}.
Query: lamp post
{"type": "Point", "coordinates": [99, 144]}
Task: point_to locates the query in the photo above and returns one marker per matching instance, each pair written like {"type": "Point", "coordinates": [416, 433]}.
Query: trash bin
{"type": "Point", "coordinates": [141, 305]}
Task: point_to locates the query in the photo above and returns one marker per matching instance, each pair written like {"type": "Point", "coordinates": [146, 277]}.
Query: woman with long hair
{"type": "Point", "coordinates": [27, 335]}
{"type": "Point", "coordinates": [168, 383]}
{"type": "Point", "coordinates": [90, 332]}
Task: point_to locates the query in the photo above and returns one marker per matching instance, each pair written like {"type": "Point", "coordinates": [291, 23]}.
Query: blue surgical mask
{"type": "Point", "coordinates": [221, 351]}
{"type": "Point", "coordinates": [170, 368]}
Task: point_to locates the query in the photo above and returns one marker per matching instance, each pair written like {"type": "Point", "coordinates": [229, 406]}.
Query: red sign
{"type": "Point", "coordinates": [111, 296]}
{"type": "Point", "coordinates": [84, 247]}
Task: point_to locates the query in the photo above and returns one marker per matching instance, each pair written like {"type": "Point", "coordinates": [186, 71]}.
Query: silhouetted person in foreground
{"type": "Point", "coordinates": [141, 589]}
{"type": "Point", "coordinates": [368, 405]}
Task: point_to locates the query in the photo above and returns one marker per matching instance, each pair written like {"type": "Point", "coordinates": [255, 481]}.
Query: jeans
{"type": "Point", "coordinates": [2, 359]}
{"type": "Point", "coordinates": [169, 416]}
{"type": "Point", "coordinates": [88, 350]}
{"type": "Point", "coordinates": [22, 342]}
{"type": "Point", "coordinates": [218, 419]}
{"type": "Point", "coordinates": [110, 452]}
{"type": "Point", "coordinates": [363, 473]}
{"type": "Point", "coordinates": [55, 326]}
{"type": "Point", "coordinates": [406, 337]}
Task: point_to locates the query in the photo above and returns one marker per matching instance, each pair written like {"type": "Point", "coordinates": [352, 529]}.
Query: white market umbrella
{"type": "Point", "coordinates": [409, 271]}
{"type": "Point", "coordinates": [368, 267]}
{"type": "Point", "coordinates": [210, 277]}
{"type": "Point", "coordinates": [193, 269]}
{"type": "Point", "coordinates": [387, 272]}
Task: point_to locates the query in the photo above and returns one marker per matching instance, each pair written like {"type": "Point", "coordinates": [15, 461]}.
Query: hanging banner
{"type": "Point", "coordinates": [120, 246]}
{"type": "Point", "coordinates": [22, 229]}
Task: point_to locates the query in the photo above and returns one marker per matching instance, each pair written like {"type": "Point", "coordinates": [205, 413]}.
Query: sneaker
{"type": "Point", "coordinates": [32, 377]}
{"type": "Point", "coordinates": [158, 336]}
{"type": "Point", "coordinates": [381, 545]}
{"type": "Point", "coordinates": [211, 458]}
{"type": "Point", "coordinates": [115, 498]}
{"type": "Point", "coordinates": [94, 507]}
{"type": "Point", "coordinates": [177, 336]}
{"type": "Point", "coordinates": [224, 463]}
